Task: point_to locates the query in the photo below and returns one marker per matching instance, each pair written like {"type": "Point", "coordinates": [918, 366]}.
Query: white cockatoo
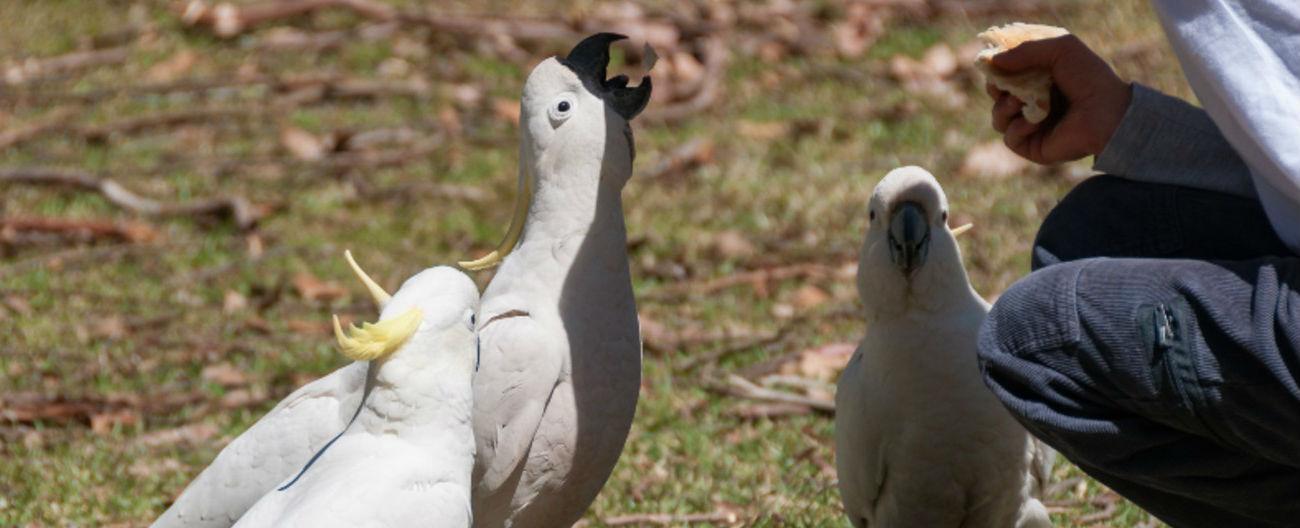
{"type": "Point", "coordinates": [919, 439]}
{"type": "Point", "coordinates": [561, 348]}
{"type": "Point", "coordinates": [406, 458]}
{"type": "Point", "coordinates": [276, 446]}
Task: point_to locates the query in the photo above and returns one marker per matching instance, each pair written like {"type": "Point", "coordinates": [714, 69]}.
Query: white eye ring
{"type": "Point", "coordinates": [561, 108]}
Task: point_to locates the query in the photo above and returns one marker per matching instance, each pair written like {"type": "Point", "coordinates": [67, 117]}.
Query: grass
{"type": "Point", "coordinates": [107, 320]}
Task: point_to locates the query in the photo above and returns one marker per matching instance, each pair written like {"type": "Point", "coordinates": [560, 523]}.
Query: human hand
{"type": "Point", "coordinates": [1088, 101]}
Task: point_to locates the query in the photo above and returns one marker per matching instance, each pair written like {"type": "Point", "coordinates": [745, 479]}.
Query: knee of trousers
{"type": "Point", "coordinates": [1025, 348]}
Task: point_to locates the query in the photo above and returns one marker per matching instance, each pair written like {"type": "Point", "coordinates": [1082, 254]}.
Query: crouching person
{"type": "Point", "coordinates": [1156, 344]}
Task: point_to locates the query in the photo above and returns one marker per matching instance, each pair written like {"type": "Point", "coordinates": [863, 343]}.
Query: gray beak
{"type": "Point", "coordinates": [909, 237]}
{"type": "Point", "coordinates": [589, 58]}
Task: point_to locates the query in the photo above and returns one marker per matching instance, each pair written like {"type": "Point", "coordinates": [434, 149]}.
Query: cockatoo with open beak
{"type": "Point", "coordinates": [407, 456]}
{"type": "Point", "coordinates": [275, 447]}
{"type": "Point", "coordinates": [561, 348]}
{"type": "Point", "coordinates": [919, 439]}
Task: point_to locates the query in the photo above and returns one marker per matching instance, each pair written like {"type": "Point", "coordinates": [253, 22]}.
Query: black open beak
{"type": "Point", "coordinates": [589, 59]}
{"type": "Point", "coordinates": [909, 237]}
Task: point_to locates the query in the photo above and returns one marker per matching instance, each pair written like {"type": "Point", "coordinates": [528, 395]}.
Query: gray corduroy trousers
{"type": "Point", "coordinates": [1156, 345]}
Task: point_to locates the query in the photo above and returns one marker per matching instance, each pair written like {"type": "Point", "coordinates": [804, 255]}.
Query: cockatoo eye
{"type": "Point", "coordinates": [560, 109]}
{"type": "Point", "coordinates": [945, 216]}
{"type": "Point", "coordinates": [469, 322]}
{"type": "Point", "coordinates": [871, 216]}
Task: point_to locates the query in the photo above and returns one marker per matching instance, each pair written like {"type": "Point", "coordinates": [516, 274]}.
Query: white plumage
{"type": "Point", "coordinates": [277, 445]}
{"type": "Point", "coordinates": [560, 343]}
{"type": "Point", "coordinates": [561, 347]}
{"type": "Point", "coordinates": [920, 441]}
{"type": "Point", "coordinates": [406, 459]}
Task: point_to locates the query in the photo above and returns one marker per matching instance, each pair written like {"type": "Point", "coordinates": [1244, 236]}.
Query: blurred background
{"type": "Point", "coordinates": [178, 182]}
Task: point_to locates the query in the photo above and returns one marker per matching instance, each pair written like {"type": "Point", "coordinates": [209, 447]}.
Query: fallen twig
{"type": "Point", "coordinates": [760, 411]}
{"type": "Point", "coordinates": [1109, 504]}
{"type": "Point", "coordinates": [683, 159]}
{"type": "Point", "coordinates": [228, 20]}
{"type": "Point", "coordinates": [294, 40]}
{"type": "Point", "coordinates": [757, 277]}
{"type": "Point", "coordinates": [15, 230]}
{"type": "Point", "coordinates": [53, 121]}
{"type": "Point", "coordinates": [33, 69]}
{"type": "Point", "coordinates": [244, 214]}
{"type": "Point", "coordinates": [715, 69]}
{"type": "Point", "coordinates": [743, 388]}
{"type": "Point", "coordinates": [661, 519]}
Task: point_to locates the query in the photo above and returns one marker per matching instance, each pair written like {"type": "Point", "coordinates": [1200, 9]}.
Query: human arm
{"type": "Point", "coordinates": [1133, 131]}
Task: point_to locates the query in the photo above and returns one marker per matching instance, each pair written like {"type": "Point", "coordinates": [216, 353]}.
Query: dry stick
{"type": "Point", "coordinates": [33, 69]}
{"type": "Point", "coordinates": [724, 517]}
{"type": "Point", "coordinates": [715, 69]}
{"type": "Point", "coordinates": [228, 20]}
{"type": "Point", "coordinates": [328, 87]}
{"type": "Point", "coordinates": [325, 40]}
{"type": "Point", "coordinates": [101, 132]}
{"type": "Point", "coordinates": [689, 156]}
{"type": "Point", "coordinates": [527, 29]}
{"type": "Point", "coordinates": [1110, 507]}
{"type": "Point", "coordinates": [54, 121]}
{"type": "Point", "coordinates": [12, 228]}
{"type": "Point", "coordinates": [737, 279]}
{"type": "Point", "coordinates": [164, 119]}
{"type": "Point", "coordinates": [743, 388]}
{"type": "Point", "coordinates": [239, 209]}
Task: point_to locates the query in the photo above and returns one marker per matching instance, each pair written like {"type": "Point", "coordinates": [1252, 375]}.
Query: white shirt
{"type": "Point", "coordinates": [1243, 61]}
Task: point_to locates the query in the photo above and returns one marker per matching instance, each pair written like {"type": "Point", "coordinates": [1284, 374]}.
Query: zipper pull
{"type": "Point", "coordinates": [1164, 323]}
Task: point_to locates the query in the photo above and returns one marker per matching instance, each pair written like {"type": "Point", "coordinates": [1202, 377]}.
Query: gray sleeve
{"type": "Point", "coordinates": [1163, 139]}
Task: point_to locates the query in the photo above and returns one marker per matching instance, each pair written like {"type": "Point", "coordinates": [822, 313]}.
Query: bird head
{"type": "Point", "coordinates": [574, 124]}
{"type": "Point", "coordinates": [908, 241]}
{"type": "Point", "coordinates": [432, 313]}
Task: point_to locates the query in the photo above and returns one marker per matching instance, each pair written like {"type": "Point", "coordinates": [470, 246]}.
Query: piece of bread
{"type": "Point", "coordinates": [1034, 88]}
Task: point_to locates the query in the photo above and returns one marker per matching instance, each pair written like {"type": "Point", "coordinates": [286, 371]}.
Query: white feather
{"type": "Point", "coordinates": [560, 340]}
{"type": "Point", "coordinates": [920, 441]}
{"type": "Point", "coordinates": [407, 457]}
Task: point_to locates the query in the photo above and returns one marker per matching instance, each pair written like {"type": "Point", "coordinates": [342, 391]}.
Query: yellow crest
{"type": "Point", "coordinates": [375, 340]}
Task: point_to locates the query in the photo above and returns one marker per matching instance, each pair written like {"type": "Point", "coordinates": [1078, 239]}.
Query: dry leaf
{"type": "Point", "coordinates": [149, 467]}
{"type": "Point", "coordinates": [224, 374]}
{"type": "Point", "coordinates": [808, 296]}
{"type": "Point", "coordinates": [302, 144]}
{"type": "Point", "coordinates": [940, 60]}
{"type": "Point", "coordinates": [762, 130]}
{"type": "Point", "coordinates": [102, 423]}
{"type": "Point", "coordinates": [299, 326]}
{"type": "Point", "coordinates": [238, 398]}
{"type": "Point", "coordinates": [173, 68]}
{"type": "Point", "coordinates": [507, 109]}
{"type": "Point", "coordinates": [112, 327]}
{"type": "Point", "coordinates": [822, 363]}
{"type": "Point", "coordinates": [314, 289]}
{"type": "Point", "coordinates": [17, 305]}
{"type": "Point", "coordinates": [732, 244]}
{"type": "Point", "coordinates": [233, 301]}
{"type": "Point", "coordinates": [190, 434]}
{"type": "Point", "coordinates": [394, 68]}
{"type": "Point", "coordinates": [992, 160]}
{"type": "Point", "coordinates": [860, 28]}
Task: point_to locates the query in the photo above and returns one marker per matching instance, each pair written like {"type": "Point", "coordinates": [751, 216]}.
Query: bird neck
{"type": "Point", "coordinates": [939, 288]}
{"type": "Point", "coordinates": [575, 221]}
